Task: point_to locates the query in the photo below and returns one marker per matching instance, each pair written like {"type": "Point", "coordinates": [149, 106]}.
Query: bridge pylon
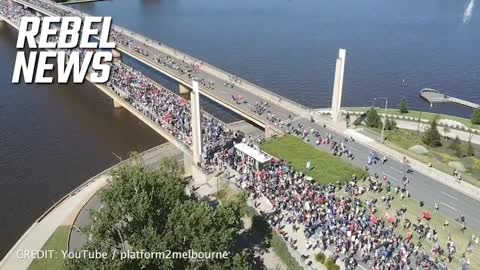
{"type": "Point", "coordinates": [117, 104]}
{"type": "Point", "coordinates": [116, 54]}
{"type": "Point", "coordinates": [183, 89]}
{"type": "Point", "coordinates": [196, 123]}
{"type": "Point", "coordinates": [338, 86]}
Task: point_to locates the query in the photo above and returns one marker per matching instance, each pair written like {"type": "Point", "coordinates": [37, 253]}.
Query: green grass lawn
{"type": "Point", "coordinates": [413, 211]}
{"type": "Point", "coordinates": [416, 114]}
{"type": "Point", "coordinates": [58, 242]}
{"type": "Point", "coordinates": [326, 167]}
{"type": "Point", "coordinates": [401, 140]}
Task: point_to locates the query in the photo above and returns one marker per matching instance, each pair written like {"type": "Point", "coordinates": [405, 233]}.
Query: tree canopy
{"type": "Point", "coordinates": [432, 136]}
{"type": "Point", "coordinates": [404, 106]}
{"type": "Point", "coordinates": [476, 116]}
{"type": "Point", "coordinates": [149, 211]}
{"type": "Point", "coordinates": [373, 119]}
{"type": "Point", "coordinates": [456, 145]}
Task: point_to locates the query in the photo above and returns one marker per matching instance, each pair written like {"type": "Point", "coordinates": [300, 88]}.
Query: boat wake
{"type": "Point", "coordinates": [467, 15]}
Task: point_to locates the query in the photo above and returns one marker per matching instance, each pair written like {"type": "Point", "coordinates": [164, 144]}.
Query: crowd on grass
{"type": "Point", "coordinates": [334, 217]}
{"type": "Point", "coordinates": [331, 216]}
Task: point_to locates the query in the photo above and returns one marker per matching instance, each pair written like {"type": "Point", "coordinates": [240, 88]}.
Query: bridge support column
{"type": "Point", "coordinates": [116, 54]}
{"type": "Point", "coordinates": [183, 89]}
{"type": "Point", "coordinates": [338, 86]}
{"type": "Point", "coordinates": [196, 124]}
{"type": "Point", "coordinates": [187, 164]}
{"type": "Point", "coordinates": [117, 105]}
{"type": "Point", "coordinates": [269, 132]}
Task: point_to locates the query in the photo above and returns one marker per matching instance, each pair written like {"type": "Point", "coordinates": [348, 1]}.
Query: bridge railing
{"type": "Point", "coordinates": [222, 74]}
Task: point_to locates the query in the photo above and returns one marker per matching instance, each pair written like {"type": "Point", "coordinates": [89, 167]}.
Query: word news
{"type": "Point", "coordinates": [79, 47]}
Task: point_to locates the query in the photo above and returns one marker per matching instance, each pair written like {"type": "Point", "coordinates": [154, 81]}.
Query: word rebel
{"type": "Point", "coordinates": [61, 37]}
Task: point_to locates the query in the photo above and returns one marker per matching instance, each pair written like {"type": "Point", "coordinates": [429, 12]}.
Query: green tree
{"type": "Point", "coordinates": [432, 137]}
{"type": "Point", "coordinates": [373, 119]}
{"type": "Point", "coordinates": [470, 149]}
{"type": "Point", "coordinates": [149, 211]}
{"type": "Point", "coordinates": [387, 124]}
{"type": "Point", "coordinates": [390, 124]}
{"type": "Point", "coordinates": [393, 124]}
{"type": "Point", "coordinates": [347, 119]}
{"type": "Point", "coordinates": [456, 145]}
{"type": "Point", "coordinates": [197, 226]}
{"type": "Point", "coordinates": [404, 106]}
{"type": "Point", "coordinates": [476, 116]}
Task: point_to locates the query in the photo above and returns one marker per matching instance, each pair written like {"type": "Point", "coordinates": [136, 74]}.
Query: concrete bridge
{"type": "Point", "coordinates": [148, 51]}
{"type": "Point", "coordinates": [429, 186]}
{"type": "Point", "coordinates": [192, 153]}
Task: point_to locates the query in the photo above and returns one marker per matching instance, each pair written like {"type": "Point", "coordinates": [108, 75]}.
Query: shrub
{"type": "Point", "coordinates": [373, 119]}
{"type": "Point", "coordinates": [329, 262]}
{"type": "Point", "coordinates": [334, 267]}
{"type": "Point", "coordinates": [320, 257]}
{"type": "Point", "coordinates": [432, 137]}
{"type": "Point", "coordinates": [404, 106]}
{"type": "Point", "coordinates": [476, 117]}
{"type": "Point", "coordinates": [470, 149]}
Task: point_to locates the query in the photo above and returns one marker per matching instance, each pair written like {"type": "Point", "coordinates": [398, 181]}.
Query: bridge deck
{"type": "Point", "coordinates": [221, 93]}
{"type": "Point", "coordinates": [185, 148]}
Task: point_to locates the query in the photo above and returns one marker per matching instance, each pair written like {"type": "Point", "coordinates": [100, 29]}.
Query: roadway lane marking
{"type": "Point", "coordinates": [394, 169]}
{"type": "Point", "coordinates": [389, 176]}
{"type": "Point", "coordinates": [362, 267]}
{"type": "Point", "coordinates": [449, 206]}
{"type": "Point", "coordinates": [453, 197]}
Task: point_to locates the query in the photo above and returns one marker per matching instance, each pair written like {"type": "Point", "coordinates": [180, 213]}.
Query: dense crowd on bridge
{"type": "Point", "coordinates": [332, 217]}
{"type": "Point", "coordinates": [12, 11]}
{"type": "Point", "coordinates": [171, 111]}
{"type": "Point", "coordinates": [165, 108]}
{"type": "Point", "coordinates": [181, 65]}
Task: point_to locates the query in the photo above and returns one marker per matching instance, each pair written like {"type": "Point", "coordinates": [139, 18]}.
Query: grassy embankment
{"type": "Point", "coordinates": [401, 140]}
{"type": "Point", "coordinates": [58, 242]}
{"type": "Point", "coordinates": [326, 167]}
{"type": "Point", "coordinates": [416, 114]}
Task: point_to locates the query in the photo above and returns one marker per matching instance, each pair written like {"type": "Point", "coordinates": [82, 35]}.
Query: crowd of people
{"type": "Point", "coordinates": [13, 12]}
{"type": "Point", "coordinates": [346, 225]}
{"type": "Point", "coordinates": [172, 112]}
{"type": "Point", "coordinates": [331, 216]}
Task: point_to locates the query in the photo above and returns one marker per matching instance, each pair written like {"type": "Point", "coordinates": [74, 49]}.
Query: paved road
{"type": "Point", "coordinates": [451, 202]}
